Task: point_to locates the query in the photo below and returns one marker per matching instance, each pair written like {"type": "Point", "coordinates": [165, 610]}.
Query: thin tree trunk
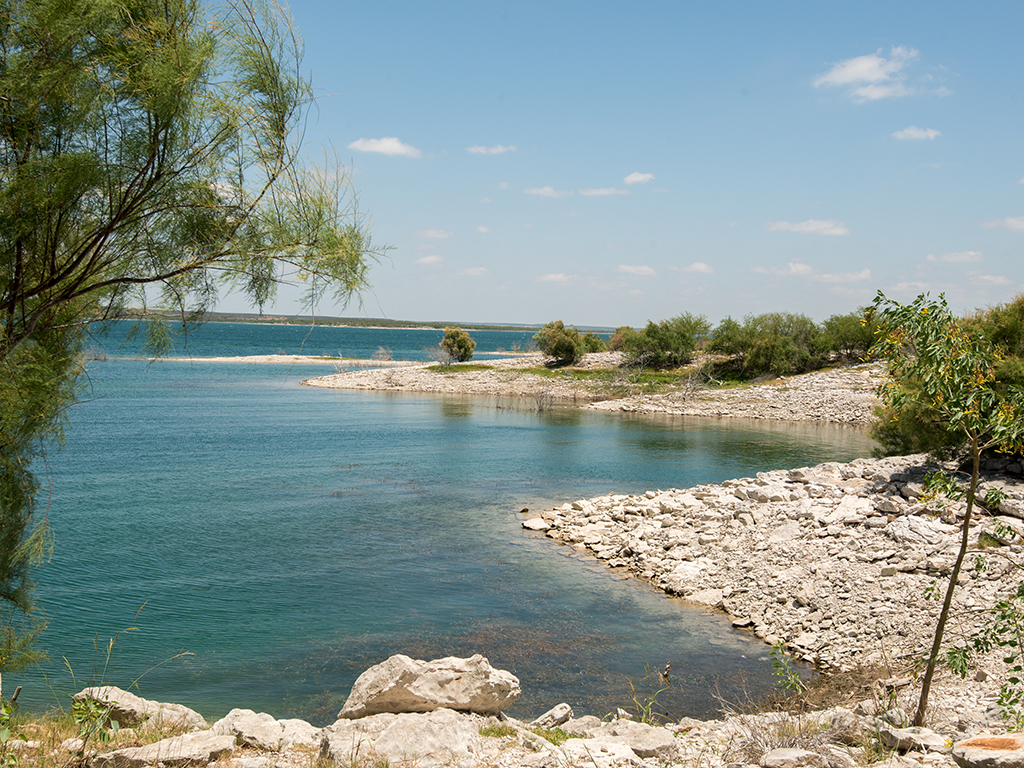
{"type": "Point", "coordinates": [922, 704]}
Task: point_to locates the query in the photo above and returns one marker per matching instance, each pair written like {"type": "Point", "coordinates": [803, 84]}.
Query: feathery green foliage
{"type": "Point", "coordinates": [668, 344]}
{"type": "Point", "coordinates": [150, 152]}
{"type": "Point", "coordinates": [935, 363]}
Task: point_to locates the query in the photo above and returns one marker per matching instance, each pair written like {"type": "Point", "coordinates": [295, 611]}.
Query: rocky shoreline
{"type": "Point", "coordinates": [843, 395]}
{"type": "Point", "coordinates": [835, 560]}
{"type": "Point", "coordinates": [449, 712]}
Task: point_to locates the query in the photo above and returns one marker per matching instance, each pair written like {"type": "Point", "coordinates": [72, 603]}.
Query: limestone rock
{"type": "Point", "coordinates": [553, 717]}
{"type": "Point", "coordinates": [645, 740]}
{"type": "Point", "coordinates": [264, 732]}
{"type": "Point", "coordinates": [922, 739]}
{"type": "Point", "coordinates": [129, 710]}
{"type": "Point", "coordinates": [433, 738]}
{"type": "Point", "coordinates": [199, 748]}
{"type": "Point", "coordinates": [990, 751]}
{"type": "Point", "coordinates": [600, 753]}
{"type": "Point", "coordinates": [402, 684]}
{"type": "Point", "coordinates": [536, 524]}
{"type": "Point", "coordinates": [585, 726]}
{"type": "Point", "coordinates": [791, 758]}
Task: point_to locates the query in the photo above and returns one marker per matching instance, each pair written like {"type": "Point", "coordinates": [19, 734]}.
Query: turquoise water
{"type": "Point", "coordinates": [289, 537]}
{"type": "Point", "coordinates": [237, 339]}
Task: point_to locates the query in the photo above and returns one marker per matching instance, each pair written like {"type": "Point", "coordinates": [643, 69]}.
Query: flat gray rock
{"type": "Point", "coordinates": [921, 739]}
{"type": "Point", "coordinates": [600, 753]}
{"type": "Point", "coordinates": [645, 740]}
{"type": "Point", "coordinates": [199, 748]}
{"type": "Point", "coordinates": [401, 684]}
{"type": "Point", "coordinates": [791, 758]}
{"type": "Point", "coordinates": [553, 717]}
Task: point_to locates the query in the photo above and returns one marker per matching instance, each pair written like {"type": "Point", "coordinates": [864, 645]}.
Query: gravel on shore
{"type": "Point", "coordinates": [842, 395]}
{"type": "Point", "coordinates": [840, 562]}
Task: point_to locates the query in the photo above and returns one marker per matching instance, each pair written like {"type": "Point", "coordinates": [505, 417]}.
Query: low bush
{"type": "Point", "coordinates": [776, 344]}
{"type": "Point", "coordinates": [458, 344]}
{"type": "Point", "coordinates": [668, 344]}
{"type": "Point", "coordinates": [563, 345]}
{"type": "Point", "coordinates": [592, 343]}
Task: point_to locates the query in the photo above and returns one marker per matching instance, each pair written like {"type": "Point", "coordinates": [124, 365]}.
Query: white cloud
{"type": "Point", "coordinates": [548, 191]}
{"type": "Point", "coordinates": [389, 145]}
{"type": "Point", "coordinates": [1016, 223]}
{"type": "Point", "coordinates": [1021, 181]}
{"type": "Point", "coordinates": [873, 76]}
{"type": "Point", "coordinates": [600, 191]}
{"type": "Point", "coordinates": [474, 272]}
{"type": "Point", "coordinates": [556, 277]}
{"type": "Point", "coordinates": [497, 149]}
{"type": "Point", "coordinates": [485, 199]}
{"type": "Point", "coordinates": [434, 234]}
{"type": "Point", "coordinates": [430, 261]}
{"type": "Point", "coordinates": [810, 227]}
{"type": "Point", "coordinates": [913, 287]}
{"type": "Point", "coordinates": [799, 269]}
{"type": "Point", "coordinates": [914, 133]}
{"type": "Point", "coordinates": [842, 277]}
{"type": "Point", "coordinates": [699, 266]}
{"type": "Point", "coordinates": [503, 185]}
{"type": "Point", "coordinates": [483, 230]}
{"type": "Point", "coordinates": [630, 269]}
{"type": "Point", "coordinates": [990, 280]}
{"type": "Point", "coordinates": [962, 257]}
{"type": "Point", "coordinates": [638, 178]}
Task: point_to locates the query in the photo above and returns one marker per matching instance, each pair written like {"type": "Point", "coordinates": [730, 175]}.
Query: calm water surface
{"type": "Point", "coordinates": [289, 537]}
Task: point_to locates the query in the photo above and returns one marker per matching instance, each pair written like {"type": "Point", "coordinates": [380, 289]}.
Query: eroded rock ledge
{"type": "Point", "coordinates": [835, 560]}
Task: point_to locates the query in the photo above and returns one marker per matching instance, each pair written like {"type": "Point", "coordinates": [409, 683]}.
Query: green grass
{"type": "Point", "coordinates": [461, 368]}
{"type": "Point", "coordinates": [501, 730]}
{"type": "Point", "coordinates": [555, 735]}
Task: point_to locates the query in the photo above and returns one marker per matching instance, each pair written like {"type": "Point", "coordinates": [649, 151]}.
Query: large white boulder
{"type": "Point", "coordinates": [131, 710]}
{"type": "Point", "coordinates": [264, 732]}
{"type": "Point", "coordinates": [442, 737]}
{"type": "Point", "coordinates": [402, 684]}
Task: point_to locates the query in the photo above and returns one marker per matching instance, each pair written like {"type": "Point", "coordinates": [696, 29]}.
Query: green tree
{"type": "Point", "coordinates": [668, 344]}
{"type": "Point", "coordinates": [775, 343]}
{"type": "Point", "coordinates": [458, 344]}
{"type": "Point", "coordinates": [848, 337]}
{"type": "Point", "coordinates": [563, 345]}
{"type": "Point", "coordinates": [150, 153]}
{"type": "Point", "coordinates": [934, 363]}
{"type": "Point", "coordinates": [592, 343]}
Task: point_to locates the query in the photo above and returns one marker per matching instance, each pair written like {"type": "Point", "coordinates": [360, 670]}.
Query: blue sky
{"type": "Point", "coordinates": [607, 163]}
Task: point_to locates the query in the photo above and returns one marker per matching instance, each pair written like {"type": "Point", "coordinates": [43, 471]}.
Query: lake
{"type": "Point", "coordinates": [286, 538]}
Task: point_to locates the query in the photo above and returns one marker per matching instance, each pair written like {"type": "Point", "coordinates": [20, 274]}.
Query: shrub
{"type": "Point", "coordinates": [458, 344]}
{"type": "Point", "coordinates": [592, 342]}
{"type": "Point", "coordinates": [668, 344]}
{"type": "Point", "coordinates": [561, 344]}
{"type": "Point", "coordinates": [776, 343]}
{"type": "Point", "coordinates": [848, 337]}
{"type": "Point", "coordinates": [621, 338]}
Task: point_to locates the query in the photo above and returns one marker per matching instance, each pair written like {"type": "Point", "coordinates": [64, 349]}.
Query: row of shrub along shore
{"type": "Point", "coordinates": [842, 395]}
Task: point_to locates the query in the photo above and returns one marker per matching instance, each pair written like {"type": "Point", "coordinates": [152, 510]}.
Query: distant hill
{"type": "Point", "coordinates": [365, 322]}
